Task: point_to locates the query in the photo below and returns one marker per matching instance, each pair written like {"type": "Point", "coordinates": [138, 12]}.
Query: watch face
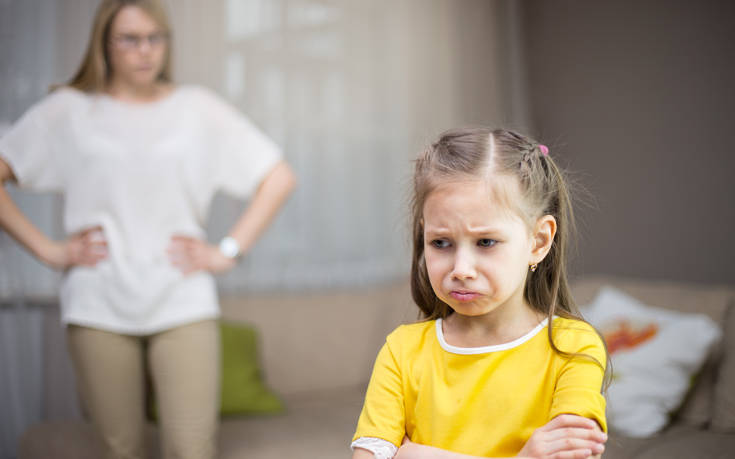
{"type": "Point", "coordinates": [229, 247]}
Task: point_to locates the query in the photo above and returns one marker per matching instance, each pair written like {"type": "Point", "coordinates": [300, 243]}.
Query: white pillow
{"type": "Point", "coordinates": [654, 352]}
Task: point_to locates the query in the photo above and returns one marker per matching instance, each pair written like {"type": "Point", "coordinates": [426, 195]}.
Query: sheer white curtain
{"type": "Point", "coordinates": [350, 89]}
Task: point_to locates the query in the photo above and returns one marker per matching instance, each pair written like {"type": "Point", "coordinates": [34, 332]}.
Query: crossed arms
{"type": "Point", "coordinates": [565, 437]}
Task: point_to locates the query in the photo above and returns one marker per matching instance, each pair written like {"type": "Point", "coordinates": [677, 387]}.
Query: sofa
{"type": "Point", "coordinates": [317, 351]}
{"type": "Point", "coordinates": [703, 426]}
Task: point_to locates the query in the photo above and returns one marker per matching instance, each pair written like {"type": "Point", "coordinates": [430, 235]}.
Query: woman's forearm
{"type": "Point", "coordinates": [17, 225]}
{"type": "Point", "coordinates": [268, 199]}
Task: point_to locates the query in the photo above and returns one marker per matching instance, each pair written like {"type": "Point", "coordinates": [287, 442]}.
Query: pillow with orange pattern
{"type": "Point", "coordinates": [654, 352]}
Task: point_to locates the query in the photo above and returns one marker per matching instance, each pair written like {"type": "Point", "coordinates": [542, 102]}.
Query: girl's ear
{"type": "Point", "coordinates": [543, 236]}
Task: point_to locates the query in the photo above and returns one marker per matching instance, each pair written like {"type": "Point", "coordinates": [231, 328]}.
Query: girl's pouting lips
{"type": "Point", "coordinates": [464, 296]}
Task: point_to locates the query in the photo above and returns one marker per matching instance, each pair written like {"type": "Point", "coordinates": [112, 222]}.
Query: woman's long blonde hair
{"type": "Point", "coordinates": [94, 72]}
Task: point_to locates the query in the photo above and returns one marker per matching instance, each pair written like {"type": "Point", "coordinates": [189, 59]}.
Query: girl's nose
{"type": "Point", "coordinates": [464, 265]}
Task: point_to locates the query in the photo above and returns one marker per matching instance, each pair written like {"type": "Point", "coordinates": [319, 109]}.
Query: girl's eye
{"type": "Point", "coordinates": [486, 242]}
{"type": "Point", "coordinates": [440, 243]}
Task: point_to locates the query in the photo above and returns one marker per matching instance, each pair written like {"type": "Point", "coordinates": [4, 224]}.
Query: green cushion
{"type": "Point", "coordinates": [242, 390]}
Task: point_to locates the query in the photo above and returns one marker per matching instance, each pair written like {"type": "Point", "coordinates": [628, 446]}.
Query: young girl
{"type": "Point", "coordinates": [503, 365]}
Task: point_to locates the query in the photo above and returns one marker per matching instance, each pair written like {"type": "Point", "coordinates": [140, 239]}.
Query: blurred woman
{"type": "Point", "coordinates": [138, 160]}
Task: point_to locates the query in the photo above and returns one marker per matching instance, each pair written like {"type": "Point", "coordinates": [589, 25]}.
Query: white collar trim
{"type": "Point", "coordinates": [486, 349]}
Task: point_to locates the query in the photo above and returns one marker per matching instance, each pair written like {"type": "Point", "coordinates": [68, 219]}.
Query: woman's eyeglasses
{"type": "Point", "coordinates": [130, 41]}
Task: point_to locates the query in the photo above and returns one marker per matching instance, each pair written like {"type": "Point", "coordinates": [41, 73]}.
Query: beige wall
{"type": "Point", "coordinates": [637, 97]}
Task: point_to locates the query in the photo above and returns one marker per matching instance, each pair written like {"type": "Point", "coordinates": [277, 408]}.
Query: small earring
{"type": "Point", "coordinates": [533, 267]}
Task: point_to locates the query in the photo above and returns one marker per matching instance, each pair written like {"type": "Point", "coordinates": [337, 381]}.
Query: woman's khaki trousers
{"type": "Point", "coordinates": [184, 367]}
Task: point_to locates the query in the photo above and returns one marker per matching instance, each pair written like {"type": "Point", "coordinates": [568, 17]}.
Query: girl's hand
{"type": "Point", "coordinates": [565, 437]}
{"type": "Point", "coordinates": [83, 248]}
{"type": "Point", "coordinates": [190, 254]}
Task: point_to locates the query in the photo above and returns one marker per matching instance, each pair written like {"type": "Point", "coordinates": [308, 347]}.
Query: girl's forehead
{"type": "Point", "coordinates": [475, 199]}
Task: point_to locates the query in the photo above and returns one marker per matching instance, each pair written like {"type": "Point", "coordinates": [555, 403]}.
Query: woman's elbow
{"type": "Point", "coordinates": [286, 177]}
{"type": "Point", "coordinates": [6, 173]}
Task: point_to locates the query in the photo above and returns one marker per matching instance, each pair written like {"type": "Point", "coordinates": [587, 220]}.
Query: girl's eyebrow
{"type": "Point", "coordinates": [436, 231]}
{"type": "Point", "coordinates": [480, 230]}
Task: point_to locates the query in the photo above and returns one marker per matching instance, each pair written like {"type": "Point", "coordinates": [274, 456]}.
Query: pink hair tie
{"type": "Point", "coordinates": [544, 150]}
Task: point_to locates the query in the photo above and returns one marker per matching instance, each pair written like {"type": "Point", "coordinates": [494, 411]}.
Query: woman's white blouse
{"type": "Point", "coordinates": [144, 172]}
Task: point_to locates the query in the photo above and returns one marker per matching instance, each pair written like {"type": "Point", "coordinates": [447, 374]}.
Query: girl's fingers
{"type": "Point", "coordinates": [573, 444]}
{"type": "Point", "coordinates": [576, 454]}
{"type": "Point", "coordinates": [569, 420]}
{"type": "Point", "coordinates": [576, 432]}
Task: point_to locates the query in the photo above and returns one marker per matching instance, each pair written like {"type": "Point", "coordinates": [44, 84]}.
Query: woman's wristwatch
{"type": "Point", "coordinates": [230, 248]}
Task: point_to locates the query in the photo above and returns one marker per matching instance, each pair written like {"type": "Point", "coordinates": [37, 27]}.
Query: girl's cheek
{"type": "Point", "coordinates": [431, 268]}
{"type": "Point", "coordinates": [437, 266]}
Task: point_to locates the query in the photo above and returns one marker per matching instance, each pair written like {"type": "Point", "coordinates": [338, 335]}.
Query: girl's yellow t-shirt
{"type": "Point", "coordinates": [483, 401]}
